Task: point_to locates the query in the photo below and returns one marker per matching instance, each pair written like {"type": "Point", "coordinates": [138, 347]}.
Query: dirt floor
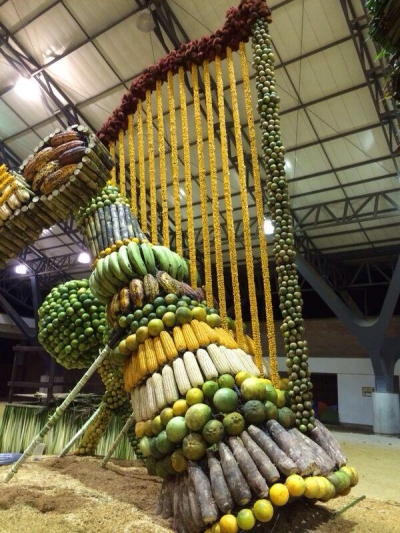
{"type": "Point", "coordinates": [75, 495]}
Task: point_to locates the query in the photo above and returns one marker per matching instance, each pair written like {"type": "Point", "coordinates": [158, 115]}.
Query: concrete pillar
{"type": "Point", "coordinates": [386, 409]}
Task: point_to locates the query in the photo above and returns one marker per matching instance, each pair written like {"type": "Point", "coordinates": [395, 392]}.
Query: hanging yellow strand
{"type": "Point", "coordinates": [228, 204]}
{"type": "Point", "coordinates": [174, 164]}
{"type": "Point", "coordinates": [132, 166]}
{"type": "Point", "coordinates": [163, 172]}
{"type": "Point", "coordinates": [188, 179]}
{"type": "Point", "coordinates": [203, 189]}
{"type": "Point", "coordinates": [219, 262]}
{"type": "Point", "coordinates": [114, 168]}
{"type": "Point", "coordinates": [142, 177]}
{"type": "Point", "coordinates": [255, 324]}
{"type": "Point", "coordinates": [121, 153]}
{"type": "Point", "coordinates": [152, 171]}
{"type": "Point", "coordinates": [260, 219]}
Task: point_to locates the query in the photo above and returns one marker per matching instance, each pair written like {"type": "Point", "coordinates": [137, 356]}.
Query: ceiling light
{"type": "Point", "coordinates": [182, 192]}
{"type": "Point", "coordinates": [21, 269]}
{"type": "Point", "coordinates": [268, 226]}
{"type": "Point", "coordinates": [145, 22]}
{"type": "Point", "coordinates": [84, 258]}
{"type": "Point", "coordinates": [27, 88]}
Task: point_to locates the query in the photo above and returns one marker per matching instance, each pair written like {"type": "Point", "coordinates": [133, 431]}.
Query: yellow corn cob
{"type": "Point", "coordinates": [159, 391]}
{"type": "Point", "coordinates": [127, 374]}
{"type": "Point", "coordinates": [181, 377]}
{"type": "Point", "coordinates": [179, 339]}
{"type": "Point", "coordinates": [160, 354]}
{"type": "Point", "coordinates": [201, 336]}
{"type": "Point", "coordinates": [151, 359]}
{"type": "Point", "coordinates": [135, 370]}
{"type": "Point", "coordinates": [142, 361]}
{"type": "Point", "coordinates": [192, 369]}
{"type": "Point", "coordinates": [247, 362]}
{"type": "Point", "coordinates": [169, 385]}
{"type": "Point", "coordinates": [225, 339]}
{"type": "Point", "coordinates": [151, 399]}
{"type": "Point", "coordinates": [251, 345]}
{"type": "Point", "coordinates": [210, 332]}
{"type": "Point", "coordinates": [234, 362]}
{"type": "Point", "coordinates": [219, 359]}
{"type": "Point", "coordinates": [135, 401]}
{"type": "Point", "coordinates": [168, 345]}
{"type": "Point", "coordinates": [243, 345]}
{"type": "Point", "coordinates": [190, 338]}
{"type": "Point", "coordinates": [143, 403]}
{"type": "Point", "coordinates": [207, 366]}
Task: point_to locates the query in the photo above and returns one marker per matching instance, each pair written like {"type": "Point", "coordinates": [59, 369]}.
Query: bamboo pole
{"type": "Point", "coordinates": [63, 407]}
{"type": "Point", "coordinates": [69, 445]}
{"type": "Point", "coordinates": [120, 435]}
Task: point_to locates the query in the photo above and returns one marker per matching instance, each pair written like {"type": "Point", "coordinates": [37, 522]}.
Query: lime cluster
{"type": "Point", "coordinates": [73, 325]}
{"type": "Point", "coordinates": [95, 431]}
{"type": "Point", "coordinates": [290, 300]}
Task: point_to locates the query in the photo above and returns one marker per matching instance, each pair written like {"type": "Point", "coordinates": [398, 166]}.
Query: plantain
{"type": "Point", "coordinates": [115, 309]}
{"type": "Point", "coordinates": [124, 300]}
{"type": "Point", "coordinates": [136, 292]}
{"type": "Point", "coordinates": [151, 287]}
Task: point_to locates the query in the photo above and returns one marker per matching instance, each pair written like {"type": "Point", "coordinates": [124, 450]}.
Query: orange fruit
{"type": "Point", "coordinates": [199, 313]}
{"type": "Point", "coordinates": [263, 510]}
{"type": "Point", "coordinates": [295, 485]}
{"type": "Point", "coordinates": [279, 494]}
{"type": "Point", "coordinates": [245, 519]}
{"type": "Point", "coordinates": [178, 461]}
{"type": "Point", "coordinates": [228, 524]}
{"type": "Point", "coordinates": [180, 407]}
{"type": "Point", "coordinates": [241, 376]}
{"type": "Point", "coordinates": [194, 395]}
{"type": "Point", "coordinates": [139, 429]}
{"type": "Point", "coordinates": [312, 487]}
{"type": "Point", "coordinates": [155, 327]}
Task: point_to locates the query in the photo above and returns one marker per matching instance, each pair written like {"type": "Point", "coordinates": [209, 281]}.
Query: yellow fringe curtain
{"type": "Point", "coordinates": [230, 226]}
{"type": "Point", "coordinates": [163, 172]}
{"type": "Point", "coordinates": [114, 169]}
{"type": "Point", "coordinates": [152, 170]}
{"type": "Point", "coordinates": [203, 189]}
{"type": "Point", "coordinates": [255, 324]}
{"type": "Point", "coordinates": [188, 179]}
{"type": "Point", "coordinates": [142, 176]}
{"type": "Point", "coordinates": [215, 202]}
{"type": "Point", "coordinates": [260, 218]}
{"type": "Point", "coordinates": [174, 164]}
{"type": "Point", "coordinates": [132, 166]}
{"type": "Point", "coordinates": [121, 153]}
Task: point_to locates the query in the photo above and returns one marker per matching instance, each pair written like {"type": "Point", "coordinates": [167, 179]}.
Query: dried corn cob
{"type": "Point", "coordinates": [151, 359]}
{"type": "Point", "coordinates": [247, 362]}
{"type": "Point", "coordinates": [190, 338]}
{"type": "Point", "coordinates": [151, 399]}
{"type": "Point", "coordinates": [207, 366]}
{"type": "Point", "coordinates": [179, 339]}
{"type": "Point", "coordinates": [219, 359]}
{"type": "Point", "coordinates": [135, 370]}
{"type": "Point", "coordinates": [169, 385]}
{"type": "Point", "coordinates": [128, 374]}
{"type": "Point", "coordinates": [143, 403]}
{"type": "Point", "coordinates": [36, 163]}
{"type": "Point", "coordinates": [135, 401]}
{"type": "Point", "coordinates": [225, 339]}
{"type": "Point", "coordinates": [159, 391]}
{"type": "Point", "coordinates": [193, 369]}
{"type": "Point", "coordinates": [57, 178]}
{"type": "Point", "coordinates": [234, 362]}
{"type": "Point", "coordinates": [251, 345]}
{"type": "Point", "coordinates": [181, 377]}
{"type": "Point", "coordinates": [168, 345]}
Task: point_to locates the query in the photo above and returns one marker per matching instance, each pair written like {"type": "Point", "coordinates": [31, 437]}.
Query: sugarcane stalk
{"type": "Point", "coordinates": [122, 220]}
{"type": "Point", "coordinates": [95, 172]}
{"type": "Point", "coordinates": [94, 236]}
{"type": "Point", "coordinates": [19, 243]}
{"type": "Point", "coordinates": [69, 445]}
{"type": "Point", "coordinates": [109, 226]}
{"type": "Point", "coordinates": [103, 225]}
{"type": "Point", "coordinates": [128, 221]}
{"type": "Point", "coordinates": [78, 191]}
{"type": "Point", "coordinates": [89, 152]}
{"type": "Point", "coordinates": [99, 235]}
{"type": "Point", "coordinates": [101, 151]}
{"type": "Point", "coordinates": [63, 407]}
{"type": "Point", "coordinates": [115, 223]}
{"type": "Point", "coordinates": [82, 175]}
{"type": "Point", "coordinates": [123, 432]}
{"type": "Point", "coordinates": [90, 237]}
{"type": "Point", "coordinates": [57, 206]}
{"type": "Point", "coordinates": [37, 210]}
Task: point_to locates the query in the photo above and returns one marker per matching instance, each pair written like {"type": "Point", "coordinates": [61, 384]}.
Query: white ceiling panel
{"type": "Point", "coordinates": [8, 75]}
{"type": "Point", "coordinates": [10, 123]}
{"type": "Point", "coordinates": [306, 161]}
{"type": "Point", "coordinates": [32, 110]}
{"type": "Point", "coordinates": [98, 110]}
{"type": "Point", "coordinates": [24, 144]}
{"type": "Point", "coordinates": [19, 12]}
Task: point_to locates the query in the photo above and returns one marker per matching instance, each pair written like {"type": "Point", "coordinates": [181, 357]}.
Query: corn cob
{"type": "Point", "coordinates": [201, 335]}
{"type": "Point", "coordinates": [179, 339]}
{"type": "Point", "coordinates": [234, 362]}
{"type": "Point", "coordinates": [159, 391]}
{"type": "Point", "coordinates": [168, 345]}
{"type": "Point", "coordinates": [135, 370]}
{"type": "Point", "coordinates": [142, 361]}
{"type": "Point", "coordinates": [135, 401]}
{"type": "Point", "coordinates": [219, 359]}
{"type": "Point", "coordinates": [169, 385]}
{"type": "Point", "coordinates": [190, 338]}
{"type": "Point", "coordinates": [181, 377]}
{"type": "Point", "coordinates": [151, 399]}
{"type": "Point", "coordinates": [207, 366]}
{"type": "Point", "coordinates": [212, 334]}
{"type": "Point", "coordinates": [160, 354]}
{"type": "Point", "coordinates": [225, 339]}
{"type": "Point", "coordinates": [192, 369]}
{"type": "Point", "coordinates": [128, 374]}
{"type": "Point", "coordinates": [143, 403]}
{"type": "Point", "coordinates": [151, 359]}
{"type": "Point", "coordinates": [251, 345]}
{"type": "Point", "coordinates": [247, 362]}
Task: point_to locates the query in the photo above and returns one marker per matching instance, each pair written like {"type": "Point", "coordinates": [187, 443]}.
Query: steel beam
{"type": "Point", "coordinates": [28, 333]}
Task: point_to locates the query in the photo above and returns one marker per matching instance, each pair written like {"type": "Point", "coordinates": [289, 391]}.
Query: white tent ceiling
{"type": "Point", "coordinates": [338, 128]}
